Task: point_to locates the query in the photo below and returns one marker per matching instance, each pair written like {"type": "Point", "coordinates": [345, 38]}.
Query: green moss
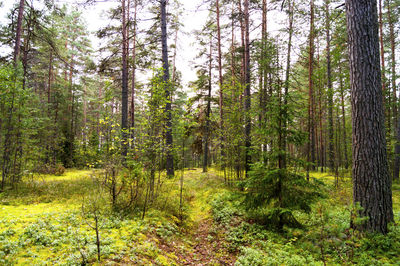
{"type": "Point", "coordinates": [202, 186]}
{"type": "Point", "coordinates": [42, 224]}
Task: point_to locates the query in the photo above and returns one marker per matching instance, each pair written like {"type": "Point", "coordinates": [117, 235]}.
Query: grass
{"type": "Point", "coordinates": [326, 238]}
{"type": "Point", "coordinates": [42, 223]}
{"type": "Point", "coordinates": [202, 186]}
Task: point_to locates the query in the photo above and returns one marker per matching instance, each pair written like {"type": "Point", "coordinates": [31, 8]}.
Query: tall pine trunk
{"type": "Point", "coordinates": [383, 60]}
{"type": "Point", "coordinates": [247, 94]}
{"type": "Point", "coordinates": [242, 33]}
{"type": "Point", "coordinates": [344, 135]}
{"type": "Point", "coordinates": [18, 31]}
{"type": "Point", "coordinates": [221, 82]}
{"type": "Point", "coordinates": [132, 122]}
{"type": "Point", "coordinates": [284, 118]}
{"type": "Point", "coordinates": [168, 107]}
{"type": "Point", "coordinates": [330, 88]}
{"type": "Point", "coordinates": [396, 126]}
{"type": "Point", "coordinates": [371, 181]}
{"type": "Point", "coordinates": [208, 111]}
{"type": "Point", "coordinates": [124, 110]}
{"type": "Point", "coordinates": [311, 122]}
{"type": "Point", "coordinates": [263, 94]}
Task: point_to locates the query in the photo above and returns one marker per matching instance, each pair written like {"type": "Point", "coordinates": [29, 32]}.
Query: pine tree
{"type": "Point", "coordinates": [168, 110]}
{"type": "Point", "coordinates": [370, 164]}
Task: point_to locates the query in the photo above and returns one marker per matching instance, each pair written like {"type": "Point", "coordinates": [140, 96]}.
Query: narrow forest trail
{"type": "Point", "coordinates": [203, 241]}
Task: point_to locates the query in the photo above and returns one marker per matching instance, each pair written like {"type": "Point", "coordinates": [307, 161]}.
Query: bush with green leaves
{"type": "Point", "coordinates": [273, 194]}
{"type": "Point", "coordinates": [222, 209]}
{"type": "Point", "coordinates": [273, 254]}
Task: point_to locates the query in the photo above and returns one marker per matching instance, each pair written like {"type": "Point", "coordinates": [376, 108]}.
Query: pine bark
{"type": "Point", "coordinates": [247, 93]}
{"type": "Point", "coordinates": [173, 78]}
{"type": "Point", "coordinates": [71, 140]}
{"type": "Point", "coordinates": [386, 102]}
{"type": "Point", "coordinates": [393, 62]}
{"type": "Point", "coordinates": [344, 135]}
{"type": "Point", "coordinates": [124, 110]}
{"type": "Point", "coordinates": [382, 51]}
{"type": "Point", "coordinates": [242, 35]}
{"type": "Point", "coordinates": [50, 75]}
{"type": "Point", "coordinates": [49, 80]}
{"type": "Point", "coordinates": [283, 157]}
{"type": "Point", "coordinates": [168, 107]}
{"type": "Point", "coordinates": [330, 88]}
{"type": "Point", "coordinates": [321, 133]}
{"type": "Point", "coordinates": [396, 126]}
{"type": "Point", "coordinates": [311, 104]}
{"type": "Point", "coordinates": [371, 181]}
{"type": "Point", "coordinates": [263, 93]}
{"type": "Point", "coordinates": [233, 74]}
{"type": "Point", "coordinates": [221, 82]}
{"type": "Point", "coordinates": [17, 47]}
{"type": "Point", "coordinates": [208, 111]}
{"type": "Point", "coordinates": [132, 122]}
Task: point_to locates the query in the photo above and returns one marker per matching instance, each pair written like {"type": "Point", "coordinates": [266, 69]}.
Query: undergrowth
{"type": "Point", "coordinates": [326, 237]}
{"type": "Point", "coordinates": [42, 223]}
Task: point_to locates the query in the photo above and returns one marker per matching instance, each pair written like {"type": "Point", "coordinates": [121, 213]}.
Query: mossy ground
{"type": "Point", "coordinates": [326, 239]}
{"type": "Point", "coordinates": [42, 223]}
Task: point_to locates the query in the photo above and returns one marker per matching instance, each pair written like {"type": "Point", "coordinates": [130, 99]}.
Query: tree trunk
{"type": "Point", "coordinates": [338, 149]}
{"type": "Point", "coordinates": [311, 126]}
{"type": "Point", "coordinates": [393, 63]}
{"type": "Point", "coordinates": [208, 111]}
{"type": "Point", "coordinates": [330, 88]}
{"type": "Point", "coordinates": [247, 100]}
{"type": "Point", "coordinates": [174, 56]}
{"type": "Point", "coordinates": [321, 139]}
{"type": "Point", "coordinates": [263, 93]}
{"type": "Point", "coordinates": [283, 157]}
{"type": "Point", "coordinates": [221, 82]}
{"type": "Point", "coordinates": [124, 111]}
{"type": "Point", "coordinates": [371, 181]}
{"type": "Point", "coordinates": [49, 81]}
{"type": "Point", "coordinates": [242, 33]}
{"type": "Point", "coordinates": [382, 55]}
{"type": "Point", "coordinates": [27, 41]}
{"type": "Point", "coordinates": [386, 91]}
{"type": "Point", "coordinates": [344, 135]}
{"type": "Point", "coordinates": [71, 139]}
{"type": "Point", "coordinates": [50, 147]}
{"type": "Point", "coordinates": [132, 126]}
{"type": "Point", "coordinates": [396, 128]}
{"type": "Point", "coordinates": [168, 107]}
{"type": "Point", "coordinates": [18, 30]}
{"type": "Point", "coordinates": [84, 122]}
{"type": "Point", "coordinates": [233, 47]}
{"type": "Point", "coordinates": [318, 110]}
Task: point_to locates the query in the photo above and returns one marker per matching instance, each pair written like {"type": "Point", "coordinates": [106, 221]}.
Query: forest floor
{"type": "Point", "coordinates": [42, 223]}
{"type": "Point", "coordinates": [201, 243]}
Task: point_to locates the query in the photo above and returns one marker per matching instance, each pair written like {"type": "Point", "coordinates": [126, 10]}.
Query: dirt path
{"type": "Point", "coordinates": [209, 249]}
{"type": "Point", "coordinates": [204, 244]}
